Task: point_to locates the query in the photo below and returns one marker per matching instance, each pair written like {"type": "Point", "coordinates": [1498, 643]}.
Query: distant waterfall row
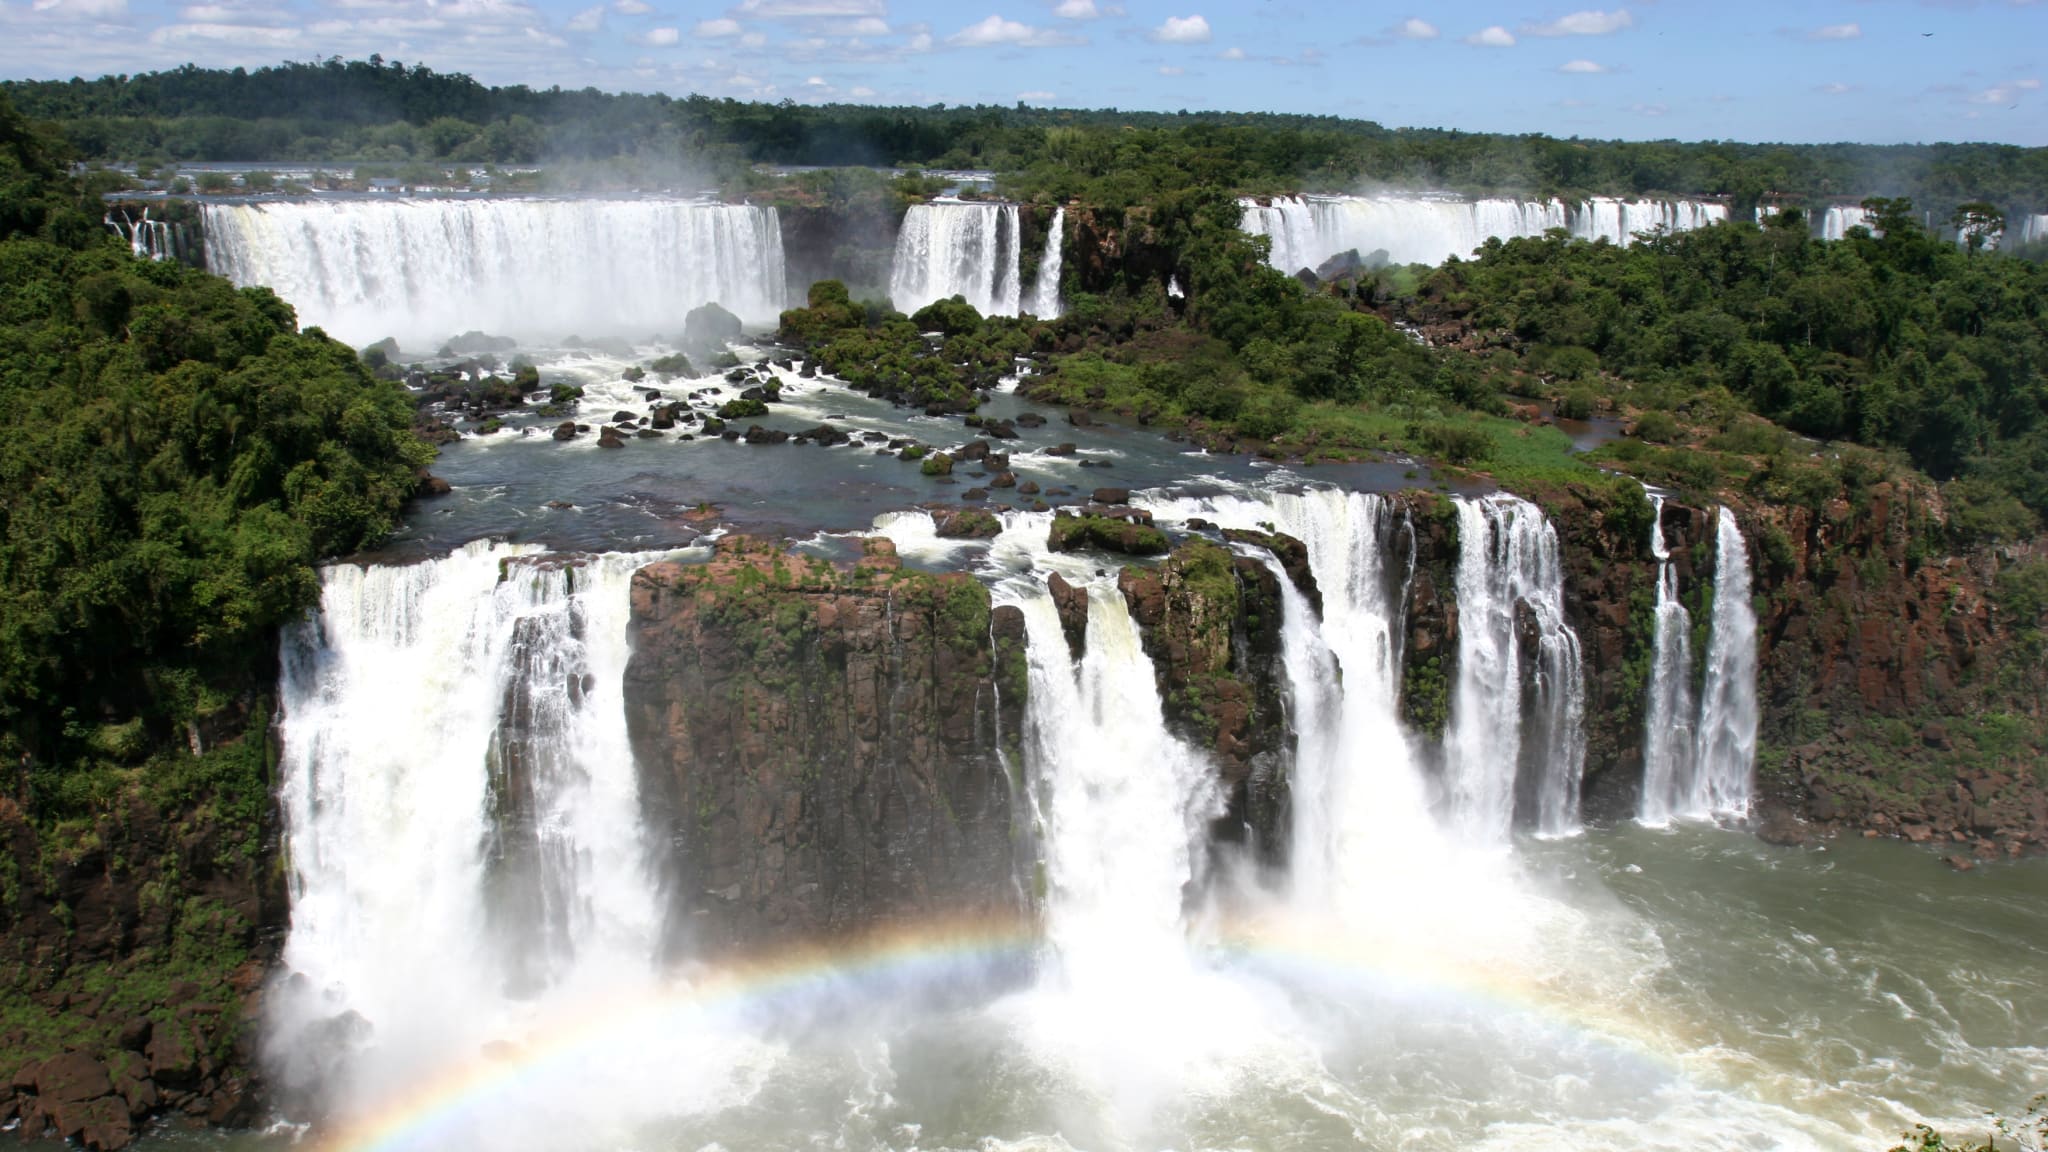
{"type": "Point", "coordinates": [423, 270]}
{"type": "Point", "coordinates": [975, 251]}
{"type": "Point", "coordinates": [1698, 757]}
{"type": "Point", "coordinates": [1308, 230]}
{"type": "Point", "coordinates": [152, 239]}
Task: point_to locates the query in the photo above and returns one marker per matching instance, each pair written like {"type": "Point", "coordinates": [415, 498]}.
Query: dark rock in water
{"type": "Point", "coordinates": [1003, 480]}
{"type": "Point", "coordinates": [665, 416]}
{"type": "Point", "coordinates": [1785, 831]}
{"type": "Point", "coordinates": [975, 494]}
{"type": "Point", "coordinates": [809, 371]}
{"type": "Point", "coordinates": [1000, 429]}
{"type": "Point", "coordinates": [623, 417]}
{"type": "Point", "coordinates": [566, 430]}
{"type": "Point", "coordinates": [759, 435]}
{"type": "Point", "coordinates": [827, 435]}
{"type": "Point", "coordinates": [729, 434]}
{"type": "Point", "coordinates": [967, 524]}
{"type": "Point", "coordinates": [1061, 450]}
{"type": "Point", "coordinates": [647, 434]}
{"type": "Point", "coordinates": [839, 774]}
{"type": "Point", "coordinates": [1079, 418]}
{"type": "Point", "coordinates": [1028, 488]}
{"type": "Point", "coordinates": [997, 461]}
{"type": "Point", "coordinates": [1197, 524]}
{"type": "Point", "coordinates": [901, 442]}
{"type": "Point", "coordinates": [972, 450]}
{"type": "Point", "coordinates": [559, 505]}
{"type": "Point", "coordinates": [609, 437]}
{"type": "Point", "coordinates": [477, 343]}
{"type": "Point", "coordinates": [1030, 420]}
{"type": "Point", "coordinates": [738, 376]}
{"type": "Point", "coordinates": [1112, 495]}
{"type": "Point", "coordinates": [1072, 605]}
{"type": "Point", "coordinates": [432, 485]}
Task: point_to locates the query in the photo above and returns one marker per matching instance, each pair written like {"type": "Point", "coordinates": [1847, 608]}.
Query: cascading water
{"type": "Point", "coordinates": [1514, 747]}
{"type": "Point", "coordinates": [1668, 724]}
{"type": "Point", "coordinates": [1308, 230]}
{"type": "Point", "coordinates": [424, 270]}
{"type": "Point", "coordinates": [149, 239]}
{"type": "Point", "coordinates": [461, 810]}
{"type": "Point", "coordinates": [1839, 218]}
{"type": "Point", "coordinates": [1728, 707]}
{"type": "Point", "coordinates": [1045, 299]}
{"type": "Point", "coordinates": [958, 248]}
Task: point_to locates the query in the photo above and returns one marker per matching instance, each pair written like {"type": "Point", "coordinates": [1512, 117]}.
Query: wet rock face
{"type": "Point", "coordinates": [820, 745]}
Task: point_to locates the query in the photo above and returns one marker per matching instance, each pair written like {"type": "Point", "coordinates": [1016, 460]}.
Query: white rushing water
{"type": "Point", "coordinates": [1728, 706]}
{"type": "Point", "coordinates": [957, 248]}
{"type": "Point", "coordinates": [461, 812]}
{"type": "Point", "coordinates": [147, 238]}
{"type": "Point", "coordinates": [1308, 230]}
{"type": "Point", "coordinates": [428, 269]}
{"type": "Point", "coordinates": [1669, 752]}
{"type": "Point", "coordinates": [1836, 221]}
{"type": "Point", "coordinates": [1045, 300]}
{"type": "Point", "coordinates": [1513, 748]}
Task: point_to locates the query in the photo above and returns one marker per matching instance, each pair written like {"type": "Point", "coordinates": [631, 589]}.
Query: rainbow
{"type": "Point", "coordinates": [929, 954]}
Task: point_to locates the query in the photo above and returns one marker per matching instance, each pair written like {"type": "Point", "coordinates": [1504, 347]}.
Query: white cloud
{"type": "Point", "coordinates": [1649, 109]}
{"type": "Point", "coordinates": [813, 9]}
{"type": "Point", "coordinates": [1170, 70]}
{"type": "Point", "coordinates": [996, 32]}
{"type": "Point", "coordinates": [717, 29]}
{"type": "Point", "coordinates": [633, 7]}
{"type": "Point", "coordinates": [1583, 68]}
{"type": "Point", "coordinates": [866, 26]}
{"type": "Point", "coordinates": [1182, 30]}
{"type": "Point", "coordinates": [588, 20]}
{"type": "Point", "coordinates": [1494, 36]}
{"type": "Point", "coordinates": [1231, 54]}
{"type": "Point", "coordinates": [1415, 29]}
{"type": "Point", "coordinates": [814, 82]}
{"type": "Point", "coordinates": [753, 40]}
{"type": "Point", "coordinates": [1076, 10]}
{"type": "Point", "coordinates": [2008, 93]}
{"type": "Point", "coordinates": [244, 34]}
{"type": "Point", "coordinates": [1837, 32]}
{"type": "Point", "coordinates": [82, 9]}
{"type": "Point", "coordinates": [659, 37]}
{"type": "Point", "coordinates": [1587, 23]}
{"type": "Point", "coordinates": [1035, 97]}
{"type": "Point", "coordinates": [1835, 89]}
{"type": "Point", "coordinates": [918, 42]}
{"type": "Point", "coordinates": [234, 12]}
{"type": "Point", "coordinates": [863, 92]}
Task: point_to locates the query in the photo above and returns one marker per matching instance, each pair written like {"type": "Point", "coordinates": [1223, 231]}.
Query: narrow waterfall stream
{"type": "Point", "coordinates": [1669, 720]}
{"type": "Point", "coordinates": [1728, 712]}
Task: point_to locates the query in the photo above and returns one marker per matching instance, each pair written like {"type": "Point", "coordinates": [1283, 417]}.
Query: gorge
{"type": "Point", "coordinates": [1101, 716]}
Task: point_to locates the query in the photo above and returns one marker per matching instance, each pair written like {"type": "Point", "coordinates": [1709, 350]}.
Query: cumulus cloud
{"type": "Point", "coordinates": [1837, 32]}
{"type": "Point", "coordinates": [1588, 23]}
{"type": "Point", "coordinates": [1182, 30]}
{"type": "Point", "coordinates": [82, 9]}
{"type": "Point", "coordinates": [812, 9]}
{"type": "Point", "coordinates": [998, 32]}
{"type": "Point", "coordinates": [1076, 10]}
{"type": "Point", "coordinates": [659, 37]}
{"type": "Point", "coordinates": [1583, 68]}
{"type": "Point", "coordinates": [1493, 36]}
{"type": "Point", "coordinates": [2008, 93]}
{"type": "Point", "coordinates": [1415, 29]}
{"type": "Point", "coordinates": [717, 29]}
{"type": "Point", "coordinates": [1231, 54]}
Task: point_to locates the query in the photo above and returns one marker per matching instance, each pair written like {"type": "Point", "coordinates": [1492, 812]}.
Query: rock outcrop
{"type": "Point", "coordinates": [827, 746]}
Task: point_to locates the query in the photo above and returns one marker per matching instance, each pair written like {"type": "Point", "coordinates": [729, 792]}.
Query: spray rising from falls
{"type": "Point", "coordinates": [1308, 230]}
{"type": "Point", "coordinates": [1515, 746]}
{"type": "Point", "coordinates": [461, 810]}
{"type": "Point", "coordinates": [425, 270]}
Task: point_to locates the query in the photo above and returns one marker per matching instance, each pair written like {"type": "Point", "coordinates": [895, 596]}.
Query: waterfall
{"type": "Point", "coordinates": [1839, 218]}
{"type": "Point", "coordinates": [424, 270]}
{"type": "Point", "coordinates": [460, 806]}
{"type": "Point", "coordinates": [1513, 747]}
{"type": "Point", "coordinates": [1728, 706]}
{"type": "Point", "coordinates": [1308, 230]}
{"type": "Point", "coordinates": [149, 239]}
{"type": "Point", "coordinates": [1045, 298]}
{"type": "Point", "coordinates": [955, 248]}
{"type": "Point", "coordinates": [1668, 721]}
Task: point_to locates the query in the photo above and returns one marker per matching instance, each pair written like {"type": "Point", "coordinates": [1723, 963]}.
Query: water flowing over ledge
{"type": "Point", "coordinates": [1308, 230]}
{"type": "Point", "coordinates": [424, 270]}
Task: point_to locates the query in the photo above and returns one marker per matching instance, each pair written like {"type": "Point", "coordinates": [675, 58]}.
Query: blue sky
{"type": "Point", "coordinates": [1859, 70]}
